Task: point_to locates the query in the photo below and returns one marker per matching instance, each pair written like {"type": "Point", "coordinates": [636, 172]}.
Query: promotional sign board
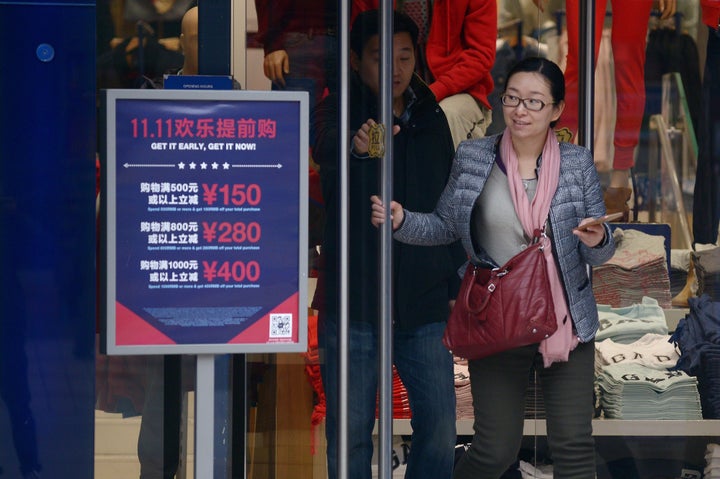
{"type": "Point", "coordinates": [204, 222]}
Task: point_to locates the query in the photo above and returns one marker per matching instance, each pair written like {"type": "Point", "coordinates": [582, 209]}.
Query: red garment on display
{"type": "Point", "coordinates": [628, 39]}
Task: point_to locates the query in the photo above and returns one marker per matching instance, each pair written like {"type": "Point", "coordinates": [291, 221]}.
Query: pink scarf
{"type": "Point", "coordinates": [533, 215]}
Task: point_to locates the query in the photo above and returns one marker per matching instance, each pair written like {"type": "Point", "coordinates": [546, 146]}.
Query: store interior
{"type": "Point", "coordinates": [660, 280]}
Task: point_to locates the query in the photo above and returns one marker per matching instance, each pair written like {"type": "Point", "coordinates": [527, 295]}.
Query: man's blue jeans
{"type": "Point", "coordinates": [426, 369]}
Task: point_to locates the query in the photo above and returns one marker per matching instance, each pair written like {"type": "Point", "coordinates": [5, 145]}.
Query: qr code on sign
{"type": "Point", "coordinates": [281, 325]}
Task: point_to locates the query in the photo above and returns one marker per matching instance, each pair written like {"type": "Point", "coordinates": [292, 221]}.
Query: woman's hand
{"type": "Point", "coordinates": [377, 217]}
{"type": "Point", "coordinates": [592, 235]}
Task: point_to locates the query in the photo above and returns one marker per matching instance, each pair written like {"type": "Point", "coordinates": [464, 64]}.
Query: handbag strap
{"type": "Point", "coordinates": [539, 233]}
{"type": "Point", "coordinates": [468, 290]}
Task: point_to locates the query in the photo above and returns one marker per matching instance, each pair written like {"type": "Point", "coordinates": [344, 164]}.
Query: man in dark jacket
{"type": "Point", "coordinates": [424, 278]}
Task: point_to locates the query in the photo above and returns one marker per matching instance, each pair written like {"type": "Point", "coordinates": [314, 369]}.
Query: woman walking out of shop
{"type": "Point", "coordinates": [500, 190]}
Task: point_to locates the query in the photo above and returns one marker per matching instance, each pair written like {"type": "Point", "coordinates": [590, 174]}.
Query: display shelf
{"type": "Point", "coordinates": [656, 427]}
{"type": "Point", "coordinates": [601, 427]}
{"type": "Point", "coordinates": [609, 427]}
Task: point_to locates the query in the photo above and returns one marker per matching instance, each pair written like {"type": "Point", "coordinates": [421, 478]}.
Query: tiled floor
{"type": "Point", "coordinates": [116, 446]}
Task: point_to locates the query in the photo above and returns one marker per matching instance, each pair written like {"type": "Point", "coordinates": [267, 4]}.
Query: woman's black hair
{"type": "Point", "coordinates": [547, 68]}
{"type": "Point", "coordinates": [365, 26]}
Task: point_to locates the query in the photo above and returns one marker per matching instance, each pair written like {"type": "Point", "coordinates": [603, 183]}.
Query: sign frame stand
{"type": "Point", "coordinates": [145, 147]}
{"type": "Point", "coordinates": [204, 415]}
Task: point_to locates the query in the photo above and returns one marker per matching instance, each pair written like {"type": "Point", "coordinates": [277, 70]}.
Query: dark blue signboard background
{"type": "Point", "coordinates": [207, 221]}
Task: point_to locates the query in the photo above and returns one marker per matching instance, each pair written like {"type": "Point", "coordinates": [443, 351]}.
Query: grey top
{"type": "Point", "coordinates": [578, 196]}
{"type": "Point", "coordinates": [494, 213]}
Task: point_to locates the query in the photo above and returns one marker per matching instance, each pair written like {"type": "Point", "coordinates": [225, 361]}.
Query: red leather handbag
{"type": "Point", "coordinates": [502, 308]}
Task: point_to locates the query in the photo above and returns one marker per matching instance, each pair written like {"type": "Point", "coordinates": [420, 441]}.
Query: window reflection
{"type": "Point", "coordinates": [523, 30]}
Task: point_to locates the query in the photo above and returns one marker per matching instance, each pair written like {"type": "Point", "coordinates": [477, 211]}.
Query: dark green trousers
{"type": "Point", "coordinates": [499, 384]}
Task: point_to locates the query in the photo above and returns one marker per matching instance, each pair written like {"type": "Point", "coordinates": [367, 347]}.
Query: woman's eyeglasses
{"type": "Point", "coordinates": [529, 103]}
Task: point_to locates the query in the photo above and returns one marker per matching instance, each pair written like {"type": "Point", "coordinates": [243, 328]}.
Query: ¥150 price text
{"type": "Point", "coordinates": [232, 195]}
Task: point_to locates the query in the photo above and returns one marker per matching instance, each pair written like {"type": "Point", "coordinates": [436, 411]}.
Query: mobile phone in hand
{"type": "Point", "coordinates": [600, 220]}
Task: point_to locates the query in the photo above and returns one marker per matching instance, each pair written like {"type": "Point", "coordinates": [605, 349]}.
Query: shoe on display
{"type": "Point", "coordinates": [616, 201]}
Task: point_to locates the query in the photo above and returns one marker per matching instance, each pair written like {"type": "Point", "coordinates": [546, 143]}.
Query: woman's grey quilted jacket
{"type": "Point", "coordinates": [578, 196]}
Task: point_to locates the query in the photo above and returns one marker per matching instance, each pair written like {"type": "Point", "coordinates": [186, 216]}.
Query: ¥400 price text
{"type": "Point", "coordinates": [235, 271]}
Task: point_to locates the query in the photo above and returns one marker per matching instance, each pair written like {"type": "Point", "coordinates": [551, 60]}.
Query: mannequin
{"type": "Point", "coordinates": [189, 41]}
{"type": "Point", "coordinates": [630, 20]}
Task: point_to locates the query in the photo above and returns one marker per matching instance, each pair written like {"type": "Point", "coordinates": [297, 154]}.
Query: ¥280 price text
{"type": "Point", "coordinates": [228, 232]}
